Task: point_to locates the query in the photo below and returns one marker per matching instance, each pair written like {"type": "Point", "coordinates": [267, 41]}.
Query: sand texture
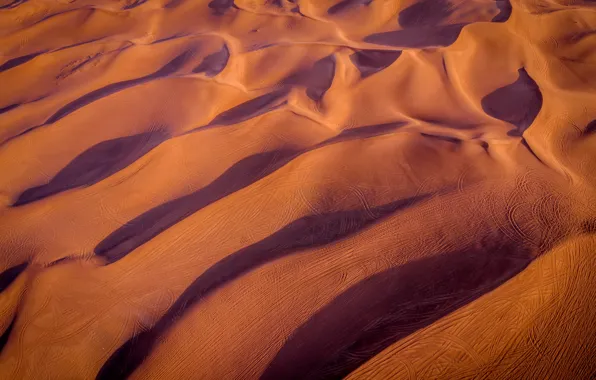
{"type": "Point", "coordinates": [297, 189]}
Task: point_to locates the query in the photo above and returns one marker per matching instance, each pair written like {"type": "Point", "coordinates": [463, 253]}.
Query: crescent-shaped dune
{"type": "Point", "coordinates": [297, 189]}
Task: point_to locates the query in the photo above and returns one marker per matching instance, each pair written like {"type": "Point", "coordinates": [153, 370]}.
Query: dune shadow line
{"type": "Point", "coordinates": [517, 103]}
{"type": "Point", "coordinates": [214, 63]}
{"type": "Point", "coordinates": [169, 68]}
{"type": "Point", "coordinates": [421, 25]}
{"type": "Point", "coordinates": [240, 175]}
{"type": "Point", "coordinates": [6, 334]}
{"type": "Point", "coordinates": [590, 128]}
{"type": "Point", "coordinates": [386, 307]}
{"type": "Point", "coordinates": [95, 164]}
{"type": "Point", "coordinates": [248, 110]}
{"type": "Point", "coordinates": [9, 108]}
{"type": "Point", "coordinates": [307, 232]}
{"type": "Point", "coordinates": [369, 62]}
{"type": "Point", "coordinates": [505, 9]}
{"type": "Point", "coordinates": [345, 5]}
{"type": "Point", "coordinates": [418, 37]}
{"type": "Point", "coordinates": [18, 61]}
{"type": "Point", "coordinates": [8, 276]}
{"type": "Point", "coordinates": [219, 7]}
{"type": "Point", "coordinates": [317, 79]}
{"type": "Point", "coordinates": [149, 224]}
{"type": "Point", "coordinates": [425, 13]}
{"type": "Point", "coordinates": [133, 4]}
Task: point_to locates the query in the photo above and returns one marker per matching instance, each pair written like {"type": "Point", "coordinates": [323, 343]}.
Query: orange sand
{"type": "Point", "coordinates": [297, 189]}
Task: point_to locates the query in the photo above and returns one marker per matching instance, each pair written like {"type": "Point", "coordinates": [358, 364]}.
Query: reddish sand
{"type": "Point", "coordinates": [297, 189]}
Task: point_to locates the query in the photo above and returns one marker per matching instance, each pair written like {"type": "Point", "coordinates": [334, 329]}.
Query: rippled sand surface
{"type": "Point", "coordinates": [297, 189]}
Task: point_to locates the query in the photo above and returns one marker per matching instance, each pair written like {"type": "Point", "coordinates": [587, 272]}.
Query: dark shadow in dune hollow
{"type": "Point", "coordinates": [108, 157]}
{"type": "Point", "coordinates": [18, 61]}
{"type": "Point", "coordinates": [590, 128]}
{"type": "Point", "coordinates": [13, 4]}
{"type": "Point", "coordinates": [419, 37]}
{"type": "Point", "coordinates": [6, 334]}
{"type": "Point", "coordinates": [345, 5]}
{"type": "Point", "coordinates": [304, 233]}
{"type": "Point", "coordinates": [450, 139]}
{"type": "Point", "coordinates": [9, 275]}
{"type": "Point", "coordinates": [247, 110]}
{"type": "Point", "coordinates": [214, 64]}
{"type": "Point", "coordinates": [505, 9]}
{"type": "Point", "coordinates": [386, 307]}
{"type": "Point", "coordinates": [421, 25]}
{"type": "Point", "coordinates": [8, 108]}
{"type": "Point", "coordinates": [240, 175]}
{"type": "Point", "coordinates": [517, 103]}
{"type": "Point", "coordinates": [369, 62]}
{"type": "Point", "coordinates": [170, 68]}
{"type": "Point", "coordinates": [316, 79]}
{"type": "Point", "coordinates": [95, 164]}
{"type": "Point", "coordinates": [220, 7]}
{"type": "Point", "coordinates": [6, 279]}
{"type": "Point", "coordinates": [425, 13]}
{"type": "Point", "coordinates": [363, 132]}
{"type": "Point", "coordinates": [134, 4]}
{"type": "Point", "coordinates": [148, 225]}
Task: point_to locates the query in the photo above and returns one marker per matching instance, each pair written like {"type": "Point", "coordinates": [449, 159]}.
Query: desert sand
{"type": "Point", "coordinates": [297, 189]}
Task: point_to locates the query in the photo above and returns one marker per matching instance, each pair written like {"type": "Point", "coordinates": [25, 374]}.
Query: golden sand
{"type": "Point", "coordinates": [297, 189]}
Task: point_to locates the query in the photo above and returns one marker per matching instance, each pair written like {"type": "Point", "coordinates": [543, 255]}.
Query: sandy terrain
{"type": "Point", "coordinates": [297, 189]}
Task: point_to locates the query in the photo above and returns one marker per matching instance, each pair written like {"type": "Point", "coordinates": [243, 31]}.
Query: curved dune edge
{"type": "Point", "coordinates": [297, 189]}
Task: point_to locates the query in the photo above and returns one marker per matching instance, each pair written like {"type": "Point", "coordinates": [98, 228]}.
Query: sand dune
{"type": "Point", "coordinates": [297, 189]}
